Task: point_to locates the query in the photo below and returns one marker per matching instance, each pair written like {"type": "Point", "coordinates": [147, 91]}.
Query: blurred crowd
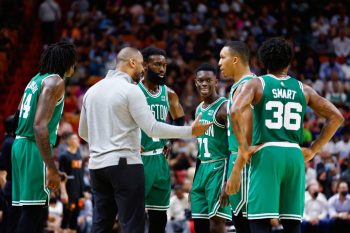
{"type": "Point", "coordinates": [192, 32]}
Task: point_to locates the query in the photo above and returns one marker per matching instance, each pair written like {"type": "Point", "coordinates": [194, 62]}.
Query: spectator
{"type": "Point", "coordinates": [71, 191]}
{"type": "Point", "coordinates": [49, 14]}
{"type": "Point", "coordinates": [339, 209]}
{"type": "Point", "coordinates": [315, 210]}
{"type": "Point", "coordinates": [331, 66]}
{"type": "Point", "coordinates": [85, 216]}
{"type": "Point", "coordinates": [346, 69]}
{"type": "Point", "coordinates": [54, 213]}
{"type": "Point", "coordinates": [179, 205]}
{"type": "Point", "coordinates": [336, 95]}
{"type": "Point", "coordinates": [343, 146]}
{"type": "Point", "coordinates": [310, 174]}
{"type": "Point", "coordinates": [11, 213]}
{"type": "Point", "coordinates": [341, 44]}
{"type": "Point", "coordinates": [346, 174]}
{"type": "Point", "coordinates": [327, 171]}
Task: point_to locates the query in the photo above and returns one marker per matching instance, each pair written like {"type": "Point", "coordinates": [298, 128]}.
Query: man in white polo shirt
{"type": "Point", "coordinates": [112, 114]}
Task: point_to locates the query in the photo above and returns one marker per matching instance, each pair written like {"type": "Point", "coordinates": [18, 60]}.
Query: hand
{"type": "Point", "coordinates": [53, 178]}
{"type": "Point", "coordinates": [233, 183]}
{"type": "Point", "coordinates": [167, 149]}
{"type": "Point", "coordinates": [198, 128]}
{"type": "Point", "coordinates": [64, 197]}
{"type": "Point", "coordinates": [247, 152]}
{"type": "Point", "coordinates": [308, 154]}
{"type": "Point", "coordinates": [142, 149]}
{"type": "Point", "coordinates": [223, 200]}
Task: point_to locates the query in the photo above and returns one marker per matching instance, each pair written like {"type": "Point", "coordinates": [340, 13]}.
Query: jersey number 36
{"type": "Point", "coordinates": [286, 116]}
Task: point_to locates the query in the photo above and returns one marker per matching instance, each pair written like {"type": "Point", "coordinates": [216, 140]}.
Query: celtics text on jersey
{"type": "Point", "coordinates": [213, 143]}
{"type": "Point", "coordinates": [159, 106]}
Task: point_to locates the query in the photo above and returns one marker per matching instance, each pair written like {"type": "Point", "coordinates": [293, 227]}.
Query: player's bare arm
{"type": "Point", "coordinates": [176, 110]}
{"type": "Point", "coordinates": [325, 109]}
{"type": "Point", "coordinates": [233, 182]}
{"type": "Point", "coordinates": [51, 92]}
{"type": "Point", "coordinates": [221, 115]}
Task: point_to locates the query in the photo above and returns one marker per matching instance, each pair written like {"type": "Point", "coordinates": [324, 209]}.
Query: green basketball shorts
{"type": "Point", "coordinates": [28, 174]}
{"type": "Point", "coordinates": [238, 201]}
{"type": "Point", "coordinates": [277, 182]}
{"type": "Point", "coordinates": [206, 189]}
{"type": "Point", "coordinates": [157, 182]}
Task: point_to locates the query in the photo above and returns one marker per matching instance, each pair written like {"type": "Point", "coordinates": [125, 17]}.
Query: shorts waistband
{"type": "Point", "coordinates": [19, 137]}
{"type": "Point", "coordinates": [279, 144]}
{"type": "Point", "coordinates": [213, 160]}
{"type": "Point", "coordinates": [153, 152]}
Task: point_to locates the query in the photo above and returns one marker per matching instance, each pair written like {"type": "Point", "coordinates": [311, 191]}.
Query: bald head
{"type": "Point", "coordinates": [128, 53]}
{"type": "Point", "coordinates": [129, 60]}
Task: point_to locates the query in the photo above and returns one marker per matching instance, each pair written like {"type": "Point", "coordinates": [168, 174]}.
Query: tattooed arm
{"type": "Point", "coordinates": [242, 124]}
{"type": "Point", "coordinates": [52, 91]}
{"type": "Point", "coordinates": [324, 109]}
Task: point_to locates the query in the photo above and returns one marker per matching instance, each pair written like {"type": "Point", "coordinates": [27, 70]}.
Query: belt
{"type": "Point", "coordinates": [153, 152]}
{"type": "Point", "coordinates": [213, 160]}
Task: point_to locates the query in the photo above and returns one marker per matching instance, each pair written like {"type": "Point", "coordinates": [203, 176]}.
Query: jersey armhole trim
{"type": "Point", "coordinates": [262, 82]}
{"type": "Point", "coordinates": [214, 115]}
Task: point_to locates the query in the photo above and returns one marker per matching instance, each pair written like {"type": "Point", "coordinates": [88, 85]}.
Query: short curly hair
{"type": "Point", "coordinates": [207, 67]}
{"type": "Point", "coordinates": [150, 51]}
{"type": "Point", "coordinates": [276, 54]}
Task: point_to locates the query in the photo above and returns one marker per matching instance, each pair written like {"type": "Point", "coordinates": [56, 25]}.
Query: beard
{"type": "Point", "coordinates": [136, 77]}
{"type": "Point", "coordinates": [154, 78]}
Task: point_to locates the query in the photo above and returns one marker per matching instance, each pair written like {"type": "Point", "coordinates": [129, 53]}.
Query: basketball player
{"type": "Point", "coordinates": [161, 101]}
{"type": "Point", "coordinates": [208, 198]}
{"type": "Point", "coordinates": [33, 169]}
{"type": "Point", "coordinates": [234, 64]}
{"type": "Point", "coordinates": [277, 177]}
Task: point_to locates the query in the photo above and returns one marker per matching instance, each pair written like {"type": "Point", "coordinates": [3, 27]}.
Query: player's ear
{"type": "Point", "coordinates": [235, 60]}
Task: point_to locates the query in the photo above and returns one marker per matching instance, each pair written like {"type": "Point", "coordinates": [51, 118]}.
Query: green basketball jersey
{"type": "Point", "coordinates": [278, 117]}
{"type": "Point", "coordinates": [232, 140]}
{"type": "Point", "coordinates": [213, 143]}
{"type": "Point", "coordinates": [28, 110]}
{"type": "Point", "coordinates": [159, 106]}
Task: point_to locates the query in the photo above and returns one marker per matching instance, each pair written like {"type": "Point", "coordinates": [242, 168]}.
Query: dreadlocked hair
{"type": "Point", "coordinates": [58, 58]}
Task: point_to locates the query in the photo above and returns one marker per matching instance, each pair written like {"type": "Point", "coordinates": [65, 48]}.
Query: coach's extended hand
{"type": "Point", "coordinates": [198, 128]}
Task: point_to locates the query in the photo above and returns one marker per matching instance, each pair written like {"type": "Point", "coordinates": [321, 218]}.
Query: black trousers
{"type": "Point", "coordinates": [118, 189]}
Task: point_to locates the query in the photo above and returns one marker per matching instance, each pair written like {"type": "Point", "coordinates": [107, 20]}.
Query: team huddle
{"type": "Point", "coordinates": [250, 166]}
{"type": "Point", "coordinates": [252, 149]}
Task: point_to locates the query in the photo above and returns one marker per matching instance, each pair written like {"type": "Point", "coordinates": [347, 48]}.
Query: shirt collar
{"type": "Point", "coordinates": [117, 74]}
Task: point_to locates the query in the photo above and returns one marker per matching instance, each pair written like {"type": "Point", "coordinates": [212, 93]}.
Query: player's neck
{"type": "Point", "coordinates": [279, 74]}
{"type": "Point", "coordinates": [210, 99]}
{"type": "Point", "coordinates": [153, 88]}
{"type": "Point", "coordinates": [242, 73]}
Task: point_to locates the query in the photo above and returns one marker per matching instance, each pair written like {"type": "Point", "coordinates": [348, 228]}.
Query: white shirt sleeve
{"type": "Point", "coordinates": [144, 118]}
{"type": "Point", "coordinates": [83, 127]}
